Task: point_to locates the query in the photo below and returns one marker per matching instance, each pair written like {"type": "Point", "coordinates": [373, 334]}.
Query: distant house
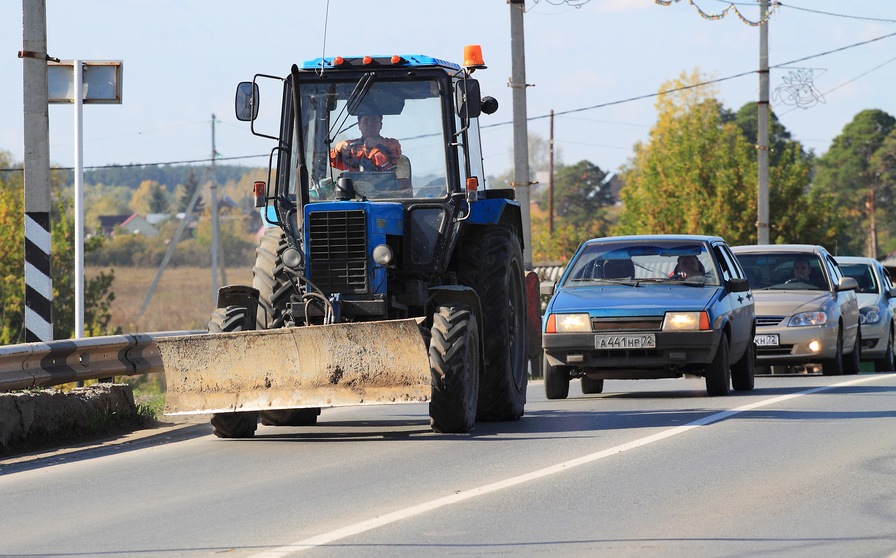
{"type": "Point", "coordinates": [133, 224]}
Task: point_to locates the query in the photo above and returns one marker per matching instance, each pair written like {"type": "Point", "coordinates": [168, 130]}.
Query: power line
{"type": "Point", "coordinates": [556, 113]}
{"type": "Point", "coordinates": [845, 16]}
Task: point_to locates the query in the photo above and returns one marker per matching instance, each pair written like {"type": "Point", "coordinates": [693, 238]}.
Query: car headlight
{"type": "Point", "coordinates": [869, 315]}
{"type": "Point", "coordinates": [686, 321]}
{"type": "Point", "coordinates": [808, 319]}
{"type": "Point", "coordinates": [570, 323]}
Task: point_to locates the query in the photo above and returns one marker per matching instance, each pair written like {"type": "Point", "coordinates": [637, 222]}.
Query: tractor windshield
{"type": "Point", "coordinates": [387, 137]}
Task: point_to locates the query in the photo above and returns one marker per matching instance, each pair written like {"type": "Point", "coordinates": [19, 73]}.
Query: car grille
{"type": "Point", "coordinates": [627, 324]}
{"type": "Point", "coordinates": [337, 253]}
{"type": "Point", "coordinates": [766, 321]}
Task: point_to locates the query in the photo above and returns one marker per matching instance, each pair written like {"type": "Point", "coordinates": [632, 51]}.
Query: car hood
{"type": "Point", "coordinates": [650, 300]}
{"type": "Point", "coordinates": [784, 303]}
{"type": "Point", "coordinates": [868, 299]}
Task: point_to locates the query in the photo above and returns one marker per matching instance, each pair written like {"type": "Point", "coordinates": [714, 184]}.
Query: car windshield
{"type": "Point", "coordinates": [386, 136]}
{"type": "Point", "coordinates": [648, 262]}
{"type": "Point", "coordinates": [784, 271]}
{"type": "Point", "coordinates": [864, 276]}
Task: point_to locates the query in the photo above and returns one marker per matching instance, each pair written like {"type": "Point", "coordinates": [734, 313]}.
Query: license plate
{"type": "Point", "coordinates": [636, 341]}
{"type": "Point", "coordinates": [767, 340]}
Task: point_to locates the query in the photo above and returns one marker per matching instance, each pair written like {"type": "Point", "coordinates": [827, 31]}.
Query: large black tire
{"type": "Point", "coordinates": [556, 381]}
{"type": "Point", "coordinates": [852, 362]}
{"type": "Point", "coordinates": [491, 262]}
{"type": "Point", "coordinates": [718, 372]}
{"type": "Point", "coordinates": [743, 372]}
{"type": "Point", "coordinates": [237, 424]}
{"type": "Point", "coordinates": [888, 362]}
{"type": "Point", "coordinates": [290, 417]}
{"type": "Point", "coordinates": [834, 366]}
{"type": "Point", "coordinates": [273, 283]}
{"type": "Point", "coordinates": [454, 359]}
{"type": "Point", "coordinates": [274, 288]}
{"type": "Point", "coordinates": [590, 385]}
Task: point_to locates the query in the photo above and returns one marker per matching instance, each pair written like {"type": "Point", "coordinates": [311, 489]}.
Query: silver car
{"type": "Point", "coordinates": [877, 306]}
{"type": "Point", "coordinates": [807, 312]}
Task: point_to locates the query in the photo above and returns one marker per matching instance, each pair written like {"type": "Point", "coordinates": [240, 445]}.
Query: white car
{"type": "Point", "coordinates": [877, 308]}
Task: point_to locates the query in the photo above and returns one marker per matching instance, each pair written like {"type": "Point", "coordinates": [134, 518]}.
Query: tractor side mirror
{"type": "Point", "coordinates": [246, 101]}
{"type": "Point", "coordinates": [467, 98]}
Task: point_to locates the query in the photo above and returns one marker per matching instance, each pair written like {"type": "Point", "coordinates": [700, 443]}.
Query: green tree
{"type": "Point", "coordinates": [883, 168]}
{"type": "Point", "coordinates": [184, 194]}
{"type": "Point", "coordinates": [98, 293]}
{"type": "Point", "coordinates": [846, 172]}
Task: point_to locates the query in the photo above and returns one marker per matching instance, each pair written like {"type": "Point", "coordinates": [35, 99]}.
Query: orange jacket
{"type": "Point", "coordinates": [353, 155]}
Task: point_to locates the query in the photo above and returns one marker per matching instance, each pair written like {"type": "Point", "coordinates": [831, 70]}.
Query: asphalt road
{"type": "Point", "coordinates": [800, 466]}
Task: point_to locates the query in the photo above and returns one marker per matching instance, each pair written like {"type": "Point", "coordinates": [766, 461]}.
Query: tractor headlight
{"type": "Point", "coordinates": [382, 254]}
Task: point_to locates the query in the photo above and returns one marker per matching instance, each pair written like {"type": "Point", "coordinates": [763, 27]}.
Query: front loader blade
{"type": "Point", "coordinates": [365, 363]}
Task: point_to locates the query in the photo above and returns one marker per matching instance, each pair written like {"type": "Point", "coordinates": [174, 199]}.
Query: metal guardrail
{"type": "Point", "coordinates": [29, 365]}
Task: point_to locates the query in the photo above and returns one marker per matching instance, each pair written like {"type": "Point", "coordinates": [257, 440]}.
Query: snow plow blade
{"type": "Point", "coordinates": [367, 363]}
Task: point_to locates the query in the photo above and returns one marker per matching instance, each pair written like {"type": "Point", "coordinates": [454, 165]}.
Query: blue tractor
{"type": "Point", "coordinates": [388, 272]}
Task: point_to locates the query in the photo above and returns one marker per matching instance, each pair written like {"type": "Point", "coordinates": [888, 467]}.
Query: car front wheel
{"type": "Point", "coordinates": [718, 372]}
{"type": "Point", "coordinates": [556, 381]}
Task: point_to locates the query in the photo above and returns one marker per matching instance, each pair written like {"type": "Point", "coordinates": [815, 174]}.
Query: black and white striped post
{"type": "Point", "coordinates": [38, 282]}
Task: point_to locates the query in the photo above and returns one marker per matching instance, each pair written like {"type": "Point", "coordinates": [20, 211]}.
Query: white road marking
{"type": "Point", "coordinates": [398, 515]}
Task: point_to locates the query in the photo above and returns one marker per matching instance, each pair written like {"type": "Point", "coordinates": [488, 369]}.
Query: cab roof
{"type": "Point", "coordinates": [378, 61]}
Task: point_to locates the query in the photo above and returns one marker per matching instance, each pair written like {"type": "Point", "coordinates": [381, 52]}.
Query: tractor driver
{"type": "Point", "coordinates": [371, 152]}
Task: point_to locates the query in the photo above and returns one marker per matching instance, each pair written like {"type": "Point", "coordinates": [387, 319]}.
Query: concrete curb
{"type": "Point", "coordinates": [40, 416]}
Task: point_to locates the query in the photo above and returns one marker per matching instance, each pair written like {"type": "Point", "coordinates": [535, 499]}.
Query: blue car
{"type": "Point", "coordinates": [650, 306]}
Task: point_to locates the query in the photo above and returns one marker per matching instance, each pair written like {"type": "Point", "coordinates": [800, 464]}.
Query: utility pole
{"type": "Point", "coordinates": [38, 246]}
{"type": "Point", "coordinates": [520, 130]}
{"type": "Point", "coordinates": [762, 127]}
{"type": "Point", "coordinates": [215, 232]}
{"type": "Point", "coordinates": [551, 177]}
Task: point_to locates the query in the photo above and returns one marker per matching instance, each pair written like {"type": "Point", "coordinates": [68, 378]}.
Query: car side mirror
{"type": "Point", "coordinates": [547, 288]}
{"type": "Point", "coordinates": [847, 284]}
{"type": "Point", "coordinates": [891, 292]}
{"type": "Point", "coordinates": [738, 284]}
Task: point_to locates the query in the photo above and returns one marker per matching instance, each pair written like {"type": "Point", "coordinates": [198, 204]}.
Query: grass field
{"type": "Point", "coordinates": [182, 300]}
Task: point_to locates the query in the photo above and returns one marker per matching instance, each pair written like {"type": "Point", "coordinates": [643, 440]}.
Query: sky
{"type": "Point", "coordinates": [597, 64]}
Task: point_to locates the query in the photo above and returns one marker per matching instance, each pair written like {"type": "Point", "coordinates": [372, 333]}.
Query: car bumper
{"type": "Point", "coordinates": [874, 340]}
{"type": "Point", "coordinates": [675, 352]}
{"type": "Point", "coordinates": [793, 344]}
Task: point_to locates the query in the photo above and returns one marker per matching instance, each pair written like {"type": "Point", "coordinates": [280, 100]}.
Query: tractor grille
{"type": "Point", "coordinates": [338, 251]}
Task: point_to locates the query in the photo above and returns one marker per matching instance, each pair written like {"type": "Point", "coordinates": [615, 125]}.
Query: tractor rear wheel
{"type": "Point", "coordinates": [237, 424]}
{"type": "Point", "coordinates": [454, 359]}
{"type": "Point", "coordinates": [491, 262]}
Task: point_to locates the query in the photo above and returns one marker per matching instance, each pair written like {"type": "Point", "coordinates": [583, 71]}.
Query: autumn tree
{"type": "Point", "coordinates": [695, 174]}
{"type": "Point", "coordinates": [150, 197]}
{"type": "Point", "coordinates": [698, 173]}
